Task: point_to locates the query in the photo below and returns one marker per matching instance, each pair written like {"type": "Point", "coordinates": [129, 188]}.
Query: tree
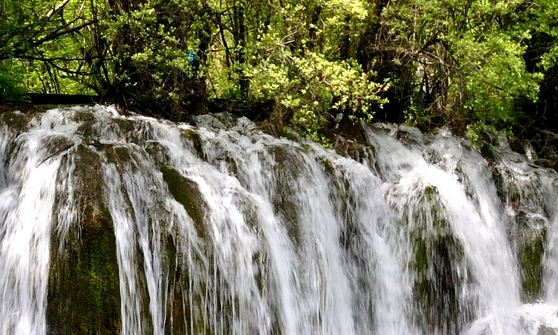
{"type": "Point", "coordinates": [474, 64]}
{"type": "Point", "coordinates": [467, 57]}
{"type": "Point", "coordinates": [44, 42]}
{"type": "Point", "coordinates": [159, 48]}
{"type": "Point", "coordinates": [300, 56]}
{"type": "Point", "coordinates": [542, 56]}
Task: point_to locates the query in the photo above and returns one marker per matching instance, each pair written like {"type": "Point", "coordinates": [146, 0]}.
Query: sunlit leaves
{"type": "Point", "coordinates": [469, 56]}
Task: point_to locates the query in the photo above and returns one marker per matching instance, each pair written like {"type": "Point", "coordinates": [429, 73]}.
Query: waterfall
{"type": "Point", "coordinates": [132, 225]}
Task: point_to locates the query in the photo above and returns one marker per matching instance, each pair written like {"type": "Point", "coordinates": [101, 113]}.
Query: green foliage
{"type": "Point", "coordinates": [302, 56]}
{"type": "Point", "coordinates": [546, 16]}
{"type": "Point", "coordinates": [468, 58]}
{"type": "Point", "coordinates": [315, 88]}
{"type": "Point", "coordinates": [50, 41]}
{"type": "Point", "coordinates": [11, 81]}
{"type": "Point", "coordinates": [476, 131]}
{"type": "Point", "coordinates": [153, 42]}
{"type": "Point", "coordinates": [473, 64]}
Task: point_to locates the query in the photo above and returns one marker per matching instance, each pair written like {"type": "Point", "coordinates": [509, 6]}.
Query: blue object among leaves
{"type": "Point", "coordinates": [191, 56]}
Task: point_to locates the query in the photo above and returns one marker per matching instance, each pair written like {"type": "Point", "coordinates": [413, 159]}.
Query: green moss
{"type": "Point", "coordinates": [437, 264]}
{"type": "Point", "coordinates": [84, 294]}
{"type": "Point", "coordinates": [328, 166]}
{"type": "Point", "coordinates": [531, 260]}
{"type": "Point", "coordinates": [186, 192]}
{"type": "Point", "coordinates": [437, 283]}
{"type": "Point", "coordinates": [83, 287]}
{"type": "Point", "coordinates": [430, 192]}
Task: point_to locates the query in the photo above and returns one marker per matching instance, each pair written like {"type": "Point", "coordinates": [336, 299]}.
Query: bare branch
{"type": "Point", "coordinates": [57, 8]}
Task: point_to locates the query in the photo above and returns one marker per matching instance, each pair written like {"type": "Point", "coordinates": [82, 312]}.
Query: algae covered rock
{"type": "Point", "coordinates": [83, 287]}
{"type": "Point", "coordinates": [531, 242]}
{"type": "Point", "coordinates": [437, 263]}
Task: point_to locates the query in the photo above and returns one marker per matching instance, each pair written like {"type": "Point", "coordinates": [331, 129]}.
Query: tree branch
{"type": "Point", "coordinates": [59, 33]}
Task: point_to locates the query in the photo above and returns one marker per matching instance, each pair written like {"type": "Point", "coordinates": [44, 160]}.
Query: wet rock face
{"type": "Point", "coordinates": [16, 121]}
{"type": "Point", "coordinates": [531, 241]}
{"type": "Point", "coordinates": [186, 192]}
{"type": "Point", "coordinates": [546, 331]}
{"type": "Point", "coordinates": [84, 296]}
{"type": "Point", "coordinates": [527, 194]}
{"type": "Point", "coordinates": [83, 289]}
{"type": "Point", "coordinates": [439, 266]}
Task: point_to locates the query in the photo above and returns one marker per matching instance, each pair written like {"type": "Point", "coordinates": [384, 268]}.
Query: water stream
{"type": "Point", "coordinates": [126, 224]}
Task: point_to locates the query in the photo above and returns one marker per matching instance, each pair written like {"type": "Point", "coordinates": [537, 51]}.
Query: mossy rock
{"type": "Point", "coordinates": [409, 136]}
{"type": "Point", "coordinates": [438, 264]}
{"type": "Point", "coordinates": [82, 116]}
{"type": "Point", "coordinates": [157, 152]}
{"type": "Point", "coordinates": [286, 168]}
{"type": "Point", "coordinates": [88, 175]}
{"type": "Point", "coordinates": [120, 155]}
{"type": "Point", "coordinates": [186, 192]}
{"type": "Point", "coordinates": [328, 167]}
{"type": "Point", "coordinates": [83, 287]}
{"type": "Point", "coordinates": [194, 141]}
{"type": "Point", "coordinates": [361, 152]}
{"type": "Point", "coordinates": [125, 125]}
{"type": "Point", "coordinates": [189, 309]}
{"type": "Point", "coordinates": [543, 330]}
{"type": "Point", "coordinates": [437, 284]}
{"type": "Point", "coordinates": [530, 255]}
{"type": "Point", "coordinates": [56, 145]}
{"type": "Point", "coordinates": [90, 128]}
{"type": "Point", "coordinates": [87, 129]}
{"type": "Point", "coordinates": [286, 159]}
{"type": "Point", "coordinates": [185, 307]}
{"type": "Point", "coordinates": [15, 121]}
{"type": "Point", "coordinates": [83, 290]}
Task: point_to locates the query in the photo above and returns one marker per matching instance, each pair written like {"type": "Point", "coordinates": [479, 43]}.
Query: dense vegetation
{"type": "Point", "coordinates": [479, 65]}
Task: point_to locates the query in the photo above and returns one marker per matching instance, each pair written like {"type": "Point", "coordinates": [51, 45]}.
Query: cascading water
{"type": "Point", "coordinates": [114, 224]}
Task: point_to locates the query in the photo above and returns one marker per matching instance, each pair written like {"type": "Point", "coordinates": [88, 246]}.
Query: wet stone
{"type": "Point", "coordinates": [16, 121]}
{"type": "Point", "coordinates": [543, 330]}
{"type": "Point", "coordinates": [83, 287]}
{"type": "Point", "coordinates": [186, 192]}
{"type": "Point", "coordinates": [194, 141]}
